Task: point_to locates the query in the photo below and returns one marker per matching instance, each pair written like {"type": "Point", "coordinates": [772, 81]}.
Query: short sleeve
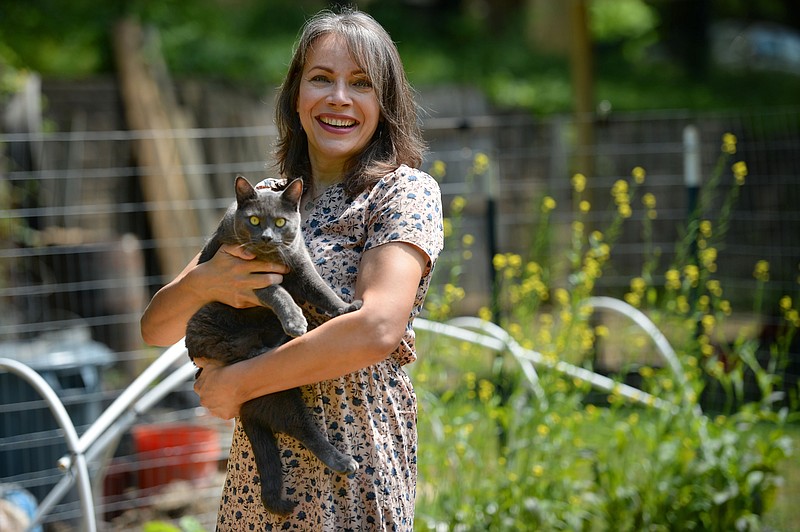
{"type": "Point", "coordinates": [406, 206]}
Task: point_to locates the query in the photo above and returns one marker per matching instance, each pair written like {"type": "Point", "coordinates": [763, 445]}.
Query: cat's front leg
{"type": "Point", "coordinates": [289, 313]}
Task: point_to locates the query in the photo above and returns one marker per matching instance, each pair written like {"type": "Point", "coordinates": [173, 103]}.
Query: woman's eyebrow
{"type": "Point", "coordinates": [357, 72]}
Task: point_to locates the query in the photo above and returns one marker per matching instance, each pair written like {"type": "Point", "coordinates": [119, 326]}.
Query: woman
{"type": "Point", "coordinates": [347, 124]}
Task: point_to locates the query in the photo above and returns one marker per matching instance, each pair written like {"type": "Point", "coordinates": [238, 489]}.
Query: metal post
{"type": "Point", "coordinates": [691, 165]}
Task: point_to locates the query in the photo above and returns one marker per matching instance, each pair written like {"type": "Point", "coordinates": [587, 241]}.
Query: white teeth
{"type": "Point", "coordinates": [338, 122]}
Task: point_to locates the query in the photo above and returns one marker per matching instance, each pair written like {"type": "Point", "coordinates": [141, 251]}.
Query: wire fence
{"type": "Point", "coordinates": [88, 235]}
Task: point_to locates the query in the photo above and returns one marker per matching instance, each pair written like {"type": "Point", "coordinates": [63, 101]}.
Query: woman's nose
{"type": "Point", "coordinates": [339, 94]}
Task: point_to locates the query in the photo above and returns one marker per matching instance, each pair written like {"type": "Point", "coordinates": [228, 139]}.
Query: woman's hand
{"type": "Point", "coordinates": [233, 274]}
{"type": "Point", "coordinates": [216, 393]}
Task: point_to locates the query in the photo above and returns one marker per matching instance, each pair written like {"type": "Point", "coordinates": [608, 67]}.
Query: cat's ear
{"type": "Point", "coordinates": [294, 191]}
{"type": "Point", "coordinates": [244, 190]}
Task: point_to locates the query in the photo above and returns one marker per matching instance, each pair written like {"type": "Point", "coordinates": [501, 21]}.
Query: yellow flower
{"type": "Point", "coordinates": [673, 279]}
{"type": "Point", "coordinates": [708, 257]}
{"type": "Point", "coordinates": [438, 169]}
{"type": "Point", "coordinates": [538, 470]}
{"type": "Point", "coordinates": [729, 143]}
{"type": "Point", "coordinates": [480, 163]}
{"type": "Point", "coordinates": [638, 174]}
{"type": "Point", "coordinates": [708, 323]}
{"type": "Point", "coordinates": [514, 260]}
{"type": "Point", "coordinates": [649, 200]}
{"type": "Point", "coordinates": [692, 273]}
{"type": "Point", "coordinates": [470, 378]}
{"type": "Point", "coordinates": [548, 204]}
{"type": "Point", "coordinates": [620, 187]}
{"type": "Point", "coordinates": [587, 340]}
{"type": "Point", "coordinates": [458, 204]}
{"type": "Point", "coordinates": [785, 303]}
{"type": "Point", "coordinates": [485, 390]}
{"type": "Point", "coordinates": [705, 228]}
{"type": "Point", "coordinates": [544, 336]}
{"type": "Point", "coordinates": [562, 296]}
{"type": "Point", "coordinates": [632, 299]}
{"type": "Point", "coordinates": [584, 206]}
{"type": "Point", "coordinates": [500, 261]}
{"type": "Point", "coordinates": [485, 314]}
{"type": "Point", "coordinates": [625, 210]}
{"type": "Point", "coordinates": [703, 302]}
{"type": "Point", "coordinates": [725, 307]}
{"type": "Point", "coordinates": [739, 172]}
{"type": "Point", "coordinates": [714, 287]}
{"type": "Point", "coordinates": [683, 304]}
{"type": "Point", "coordinates": [601, 331]}
{"type": "Point", "coordinates": [638, 285]}
{"type": "Point", "coordinates": [447, 226]}
{"type": "Point", "coordinates": [467, 240]}
{"type": "Point", "coordinates": [579, 182]}
{"type": "Point", "coordinates": [646, 372]}
{"type": "Point", "coordinates": [543, 430]}
{"type": "Point", "coordinates": [761, 271]}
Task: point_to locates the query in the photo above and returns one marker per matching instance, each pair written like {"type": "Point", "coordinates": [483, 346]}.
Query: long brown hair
{"type": "Point", "coordinates": [397, 139]}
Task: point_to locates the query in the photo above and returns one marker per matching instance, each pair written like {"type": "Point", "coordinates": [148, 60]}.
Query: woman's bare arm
{"type": "Point", "coordinates": [388, 279]}
{"type": "Point", "coordinates": [230, 277]}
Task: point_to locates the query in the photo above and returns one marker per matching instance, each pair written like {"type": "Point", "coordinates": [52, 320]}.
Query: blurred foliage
{"type": "Point", "coordinates": [486, 44]}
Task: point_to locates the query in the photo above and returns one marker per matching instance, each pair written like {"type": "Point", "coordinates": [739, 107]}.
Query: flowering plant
{"type": "Point", "coordinates": [495, 457]}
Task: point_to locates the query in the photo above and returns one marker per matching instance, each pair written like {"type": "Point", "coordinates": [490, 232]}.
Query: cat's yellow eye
{"type": "Point", "coordinates": [280, 222]}
{"type": "Point", "coordinates": [255, 220]}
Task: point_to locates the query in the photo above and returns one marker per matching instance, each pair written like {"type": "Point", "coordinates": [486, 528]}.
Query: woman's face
{"type": "Point", "coordinates": [338, 108]}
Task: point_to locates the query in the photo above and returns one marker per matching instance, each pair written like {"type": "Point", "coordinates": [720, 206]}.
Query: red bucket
{"type": "Point", "coordinates": [168, 452]}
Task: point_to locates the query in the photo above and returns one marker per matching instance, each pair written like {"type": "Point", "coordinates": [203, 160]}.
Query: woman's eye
{"type": "Point", "coordinates": [319, 78]}
{"type": "Point", "coordinates": [280, 222]}
{"type": "Point", "coordinates": [363, 83]}
{"type": "Point", "coordinates": [255, 220]}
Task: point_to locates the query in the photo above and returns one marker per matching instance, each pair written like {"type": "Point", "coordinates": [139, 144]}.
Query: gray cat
{"type": "Point", "coordinates": [267, 223]}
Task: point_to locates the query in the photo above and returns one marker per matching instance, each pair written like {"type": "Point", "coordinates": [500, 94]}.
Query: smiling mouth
{"type": "Point", "coordinates": [338, 122]}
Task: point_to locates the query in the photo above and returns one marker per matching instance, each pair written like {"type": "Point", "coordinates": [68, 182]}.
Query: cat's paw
{"type": "Point", "coordinates": [345, 465]}
{"type": "Point", "coordinates": [352, 307]}
{"type": "Point", "coordinates": [297, 326]}
{"type": "Point", "coordinates": [280, 506]}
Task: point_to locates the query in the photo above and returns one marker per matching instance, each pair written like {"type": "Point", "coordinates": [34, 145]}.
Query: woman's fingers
{"type": "Point", "coordinates": [209, 386]}
{"type": "Point", "coordinates": [233, 274]}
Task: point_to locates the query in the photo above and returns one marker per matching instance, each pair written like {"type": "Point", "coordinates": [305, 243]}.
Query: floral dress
{"type": "Point", "coordinates": [369, 414]}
